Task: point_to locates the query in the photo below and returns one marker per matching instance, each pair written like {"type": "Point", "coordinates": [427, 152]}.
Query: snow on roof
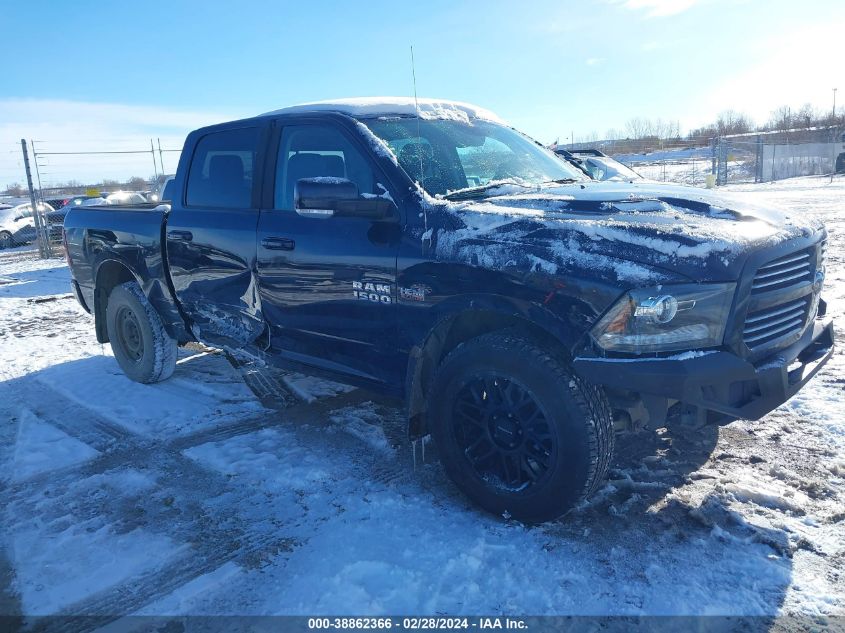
{"type": "Point", "coordinates": [386, 106]}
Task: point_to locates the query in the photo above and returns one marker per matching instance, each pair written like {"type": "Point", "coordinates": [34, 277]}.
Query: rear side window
{"type": "Point", "coordinates": [222, 169]}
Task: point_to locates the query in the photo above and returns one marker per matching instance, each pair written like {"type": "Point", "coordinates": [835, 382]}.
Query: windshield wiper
{"type": "Point", "coordinates": [479, 191]}
{"type": "Point", "coordinates": [560, 181]}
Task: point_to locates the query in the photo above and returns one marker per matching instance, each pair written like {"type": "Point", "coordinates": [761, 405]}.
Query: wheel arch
{"type": "Point", "coordinates": [112, 272]}
{"type": "Point", "coordinates": [467, 322]}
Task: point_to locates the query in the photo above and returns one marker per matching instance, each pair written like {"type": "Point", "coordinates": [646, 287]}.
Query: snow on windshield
{"type": "Point", "coordinates": [446, 156]}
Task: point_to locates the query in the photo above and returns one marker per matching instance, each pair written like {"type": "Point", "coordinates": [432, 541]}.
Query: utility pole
{"type": "Point", "coordinates": [160, 156]}
{"type": "Point", "coordinates": [43, 244]}
{"type": "Point", "coordinates": [834, 132]}
{"type": "Point", "coordinates": [153, 152]}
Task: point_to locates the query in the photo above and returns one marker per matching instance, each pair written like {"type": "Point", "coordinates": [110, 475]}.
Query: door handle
{"type": "Point", "coordinates": [182, 236]}
{"type": "Point", "coordinates": [278, 244]}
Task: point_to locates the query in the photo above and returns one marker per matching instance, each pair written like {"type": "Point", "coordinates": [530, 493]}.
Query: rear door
{"type": "Point", "coordinates": [211, 234]}
{"type": "Point", "coordinates": [328, 285]}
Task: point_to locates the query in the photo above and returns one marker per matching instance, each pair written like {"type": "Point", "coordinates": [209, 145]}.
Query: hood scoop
{"type": "Point", "coordinates": [631, 204]}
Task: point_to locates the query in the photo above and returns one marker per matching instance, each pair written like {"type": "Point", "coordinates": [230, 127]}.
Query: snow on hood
{"type": "Point", "coordinates": [631, 231]}
{"type": "Point", "coordinates": [401, 106]}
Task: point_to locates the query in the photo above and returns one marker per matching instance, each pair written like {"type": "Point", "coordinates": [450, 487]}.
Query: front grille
{"type": "Point", "coordinates": [765, 326]}
{"type": "Point", "coordinates": [782, 298]}
{"type": "Point", "coordinates": [784, 272]}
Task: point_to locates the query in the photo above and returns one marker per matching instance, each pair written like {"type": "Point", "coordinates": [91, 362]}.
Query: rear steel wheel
{"type": "Point", "coordinates": [141, 344]}
{"type": "Point", "coordinates": [129, 333]}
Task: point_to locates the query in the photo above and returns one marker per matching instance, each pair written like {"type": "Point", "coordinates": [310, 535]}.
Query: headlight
{"type": "Point", "coordinates": [667, 318]}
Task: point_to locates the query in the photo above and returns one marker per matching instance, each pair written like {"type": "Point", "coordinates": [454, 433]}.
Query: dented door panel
{"type": "Point", "coordinates": [213, 274]}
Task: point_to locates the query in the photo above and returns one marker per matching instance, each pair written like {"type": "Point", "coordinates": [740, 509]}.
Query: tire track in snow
{"type": "Point", "coordinates": [298, 414]}
{"type": "Point", "coordinates": [176, 507]}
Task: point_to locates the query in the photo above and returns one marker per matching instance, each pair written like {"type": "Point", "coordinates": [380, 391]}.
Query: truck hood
{"type": "Point", "coordinates": [631, 232]}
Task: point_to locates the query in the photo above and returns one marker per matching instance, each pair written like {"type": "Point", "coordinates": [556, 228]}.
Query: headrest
{"type": "Point", "coordinates": [226, 168]}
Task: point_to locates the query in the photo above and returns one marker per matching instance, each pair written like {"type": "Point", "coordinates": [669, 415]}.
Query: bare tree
{"type": "Point", "coordinates": [638, 127]}
{"type": "Point", "coordinates": [15, 189]}
{"type": "Point", "coordinates": [733, 122]}
{"type": "Point", "coordinates": [780, 119]}
{"type": "Point", "coordinates": [807, 116]}
{"type": "Point", "coordinates": [136, 183]}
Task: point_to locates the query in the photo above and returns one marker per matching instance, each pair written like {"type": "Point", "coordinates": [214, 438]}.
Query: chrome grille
{"type": "Point", "coordinates": [783, 272]}
{"type": "Point", "coordinates": [765, 326]}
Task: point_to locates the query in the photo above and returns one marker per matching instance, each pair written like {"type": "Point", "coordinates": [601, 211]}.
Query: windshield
{"type": "Point", "coordinates": [448, 155]}
{"type": "Point", "coordinates": [602, 168]}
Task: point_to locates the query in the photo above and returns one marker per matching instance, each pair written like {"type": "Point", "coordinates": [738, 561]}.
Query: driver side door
{"type": "Point", "coordinates": [328, 284]}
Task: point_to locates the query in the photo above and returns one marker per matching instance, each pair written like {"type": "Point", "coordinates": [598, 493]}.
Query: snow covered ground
{"type": "Point", "coordinates": [233, 490]}
{"type": "Point", "coordinates": [692, 172]}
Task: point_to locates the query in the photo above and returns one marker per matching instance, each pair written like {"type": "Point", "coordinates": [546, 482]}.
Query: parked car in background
{"type": "Point", "coordinates": [598, 165]}
{"type": "Point", "coordinates": [56, 219]}
{"type": "Point", "coordinates": [63, 201]}
{"type": "Point", "coordinates": [126, 198]}
{"type": "Point", "coordinates": [840, 159]}
{"type": "Point", "coordinates": [169, 190]}
{"type": "Point", "coordinates": [163, 192]}
{"type": "Point", "coordinates": [17, 224]}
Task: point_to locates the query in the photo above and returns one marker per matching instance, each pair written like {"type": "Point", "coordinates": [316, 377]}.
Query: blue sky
{"type": "Point", "coordinates": [107, 74]}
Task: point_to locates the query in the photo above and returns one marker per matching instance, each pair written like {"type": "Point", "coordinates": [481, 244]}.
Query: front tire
{"type": "Point", "coordinates": [141, 345]}
{"type": "Point", "coordinates": [516, 430]}
{"type": "Point", "coordinates": [6, 240]}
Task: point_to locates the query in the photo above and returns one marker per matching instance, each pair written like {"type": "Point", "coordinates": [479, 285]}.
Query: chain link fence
{"type": "Point", "coordinates": [743, 158]}
{"type": "Point", "coordinates": [62, 176]}
{"type": "Point", "coordinates": [778, 155]}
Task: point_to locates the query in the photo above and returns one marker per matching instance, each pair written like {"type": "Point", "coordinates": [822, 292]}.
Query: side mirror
{"type": "Point", "coordinates": [327, 197]}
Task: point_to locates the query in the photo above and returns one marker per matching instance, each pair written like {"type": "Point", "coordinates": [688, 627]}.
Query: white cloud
{"type": "Point", "coordinates": [77, 126]}
{"type": "Point", "coordinates": [659, 8]}
{"type": "Point", "coordinates": [594, 61]}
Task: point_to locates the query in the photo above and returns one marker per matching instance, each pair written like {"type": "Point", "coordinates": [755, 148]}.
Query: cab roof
{"type": "Point", "coordinates": [372, 107]}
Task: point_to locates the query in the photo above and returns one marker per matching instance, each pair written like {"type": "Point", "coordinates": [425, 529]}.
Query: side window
{"type": "Point", "coordinates": [221, 169]}
{"type": "Point", "coordinates": [596, 170]}
{"type": "Point", "coordinates": [311, 151]}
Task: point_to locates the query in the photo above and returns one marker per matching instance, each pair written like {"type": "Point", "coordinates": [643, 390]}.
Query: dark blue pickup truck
{"type": "Point", "coordinates": [429, 251]}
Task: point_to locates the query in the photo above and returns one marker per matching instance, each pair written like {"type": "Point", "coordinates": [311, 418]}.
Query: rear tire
{"type": "Point", "coordinates": [6, 240]}
{"type": "Point", "coordinates": [516, 430]}
{"type": "Point", "coordinates": [141, 345]}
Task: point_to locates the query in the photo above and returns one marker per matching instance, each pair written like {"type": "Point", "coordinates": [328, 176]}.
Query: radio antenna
{"type": "Point", "coordinates": [419, 135]}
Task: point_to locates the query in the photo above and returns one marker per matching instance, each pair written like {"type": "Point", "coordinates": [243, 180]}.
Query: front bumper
{"type": "Point", "coordinates": [719, 381]}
